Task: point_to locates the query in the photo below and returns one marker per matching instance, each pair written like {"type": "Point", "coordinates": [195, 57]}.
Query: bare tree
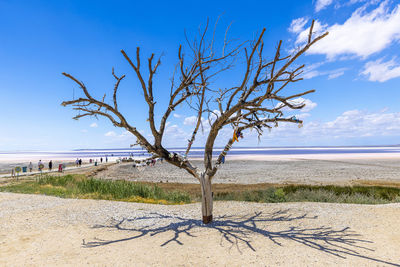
{"type": "Point", "coordinates": [255, 102]}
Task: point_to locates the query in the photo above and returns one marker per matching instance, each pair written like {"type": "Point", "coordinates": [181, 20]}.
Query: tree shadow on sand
{"type": "Point", "coordinates": [239, 230]}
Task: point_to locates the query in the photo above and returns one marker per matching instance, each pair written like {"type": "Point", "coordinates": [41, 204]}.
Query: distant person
{"type": "Point", "coordinates": [40, 165]}
{"type": "Point", "coordinates": [30, 166]}
{"type": "Point", "coordinates": [50, 165]}
{"type": "Point", "coordinates": [77, 162]}
{"type": "Point", "coordinates": [101, 160]}
{"type": "Point", "coordinates": [106, 159]}
{"type": "Point", "coordinates": [80, 162]}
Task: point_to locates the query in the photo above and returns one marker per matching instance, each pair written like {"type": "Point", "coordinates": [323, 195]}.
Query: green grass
{"type": "Point", "coordinates": [78, 186]}
{"type": "Point", "coordinates": [306, 193]}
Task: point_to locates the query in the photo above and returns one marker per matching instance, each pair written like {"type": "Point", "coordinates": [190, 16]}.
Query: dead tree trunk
{"type": "Point", "coordinates": [254, 101]}
{"type": "Point", "coordinates": [206, 198]}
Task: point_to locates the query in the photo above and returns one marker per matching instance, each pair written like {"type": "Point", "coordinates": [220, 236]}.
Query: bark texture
{"type": "Point", "coordinates": [206, 198]}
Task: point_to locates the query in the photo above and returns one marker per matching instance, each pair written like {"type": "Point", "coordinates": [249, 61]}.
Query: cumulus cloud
{"type": "Point", "coordinates": [379, 71]}
{"type": "Point", "coordinates": [175, 136]}
{"type": "Point", "coordinates": [177, 115]}
{"type": "Point", "coordinates": [192, 120]}
{"type": "Point", "coordinates": [350, 124]}
{"type": "Point", "coordinates": [175, 130]}
{"type": "Point", "coordinates": [363, 34]}
{"type": "Point", "coordinates": [94, 125]}
{"type": "Point", "coordinates": [321, 4]}
{"type": "Point", "coordinates": [297, 25]}
{"type": "Point", "coordinates": [309, 105]}
{"type": "Point", "coordinates": [355, 123]}
{"type": "Point", "coordinates": [303, 116]}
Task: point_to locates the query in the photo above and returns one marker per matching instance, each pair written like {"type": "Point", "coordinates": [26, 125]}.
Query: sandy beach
{"type": "Point", "coordinates": [49, 231]}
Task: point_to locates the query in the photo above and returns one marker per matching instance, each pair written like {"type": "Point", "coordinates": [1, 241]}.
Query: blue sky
{"type": "Point", "coordinates": [355, 70]}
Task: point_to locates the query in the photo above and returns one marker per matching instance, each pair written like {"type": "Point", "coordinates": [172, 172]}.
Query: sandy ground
{"type": "Point", "coordinates": [297, 171]}
{"type": "Point", "coordinates": [47, 231]}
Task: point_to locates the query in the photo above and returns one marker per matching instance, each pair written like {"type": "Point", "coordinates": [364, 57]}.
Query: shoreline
{"type": "Point", "coordinates": [23, 159]}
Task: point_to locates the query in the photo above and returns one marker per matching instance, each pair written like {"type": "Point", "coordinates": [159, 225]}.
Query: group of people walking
{"type": "Point", "coordinates": [41, 166]}
{"type": "Point", "coordinates": [78, 163]}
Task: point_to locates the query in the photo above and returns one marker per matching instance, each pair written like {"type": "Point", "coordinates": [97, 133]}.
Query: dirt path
{"type": "Point", "coordinates": [48, 231]}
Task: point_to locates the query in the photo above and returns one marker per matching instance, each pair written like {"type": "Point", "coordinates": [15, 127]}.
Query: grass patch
{"type": "Point", "coordinates": [306, 193]}
{"type": "Point", "coordinates": [78, 186]}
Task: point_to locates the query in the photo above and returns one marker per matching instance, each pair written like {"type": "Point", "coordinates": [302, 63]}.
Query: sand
{"type": "Point", "coordinates": [295, 171]}
{"type": "Point", "coordinates": [39, 230]}
{"type": "Point", "coordinates": [47, 231]}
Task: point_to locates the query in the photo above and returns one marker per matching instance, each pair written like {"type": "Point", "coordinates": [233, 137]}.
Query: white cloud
{"type": "Point", "coordinates": [110, 134]}
{"type": "Point", "coordinates": [335, 75]}
{"type": "Point", "coordinates": [355, 123]}
{"type": "Point", "coordinates": [303, 116]}
{"type": "Point", "coordinates": [321, 4]}
{"type": "Point", "coordinates": [175, 136]}
{"type": "Point", "coordinates": [350, 124]}
{"type": "Point", "coordinates": [297, 25]}
{"type": "Point", "coordinates": [362, 35]}
{"type": "Point", "coordinates": [311, 72]}
{"type": "Point", "coordinates": [190, 120]}
{"type": "Point", "coordinates": [94, 125]}
{"type": "Point", "coordinates": [379, 71]}
{"type": "Point", "coordinates": [126, 134]}
{"type": "Point", "coordinates": [125, 138]}
{"type": "Point", "coordinates": [177, 115]}
{"type": "Point", "coordinates": [309, 105]}
{"type": "Point", "coordinates": [318, 29]}
{"type": "Point", "coordinates": [175, 130]}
